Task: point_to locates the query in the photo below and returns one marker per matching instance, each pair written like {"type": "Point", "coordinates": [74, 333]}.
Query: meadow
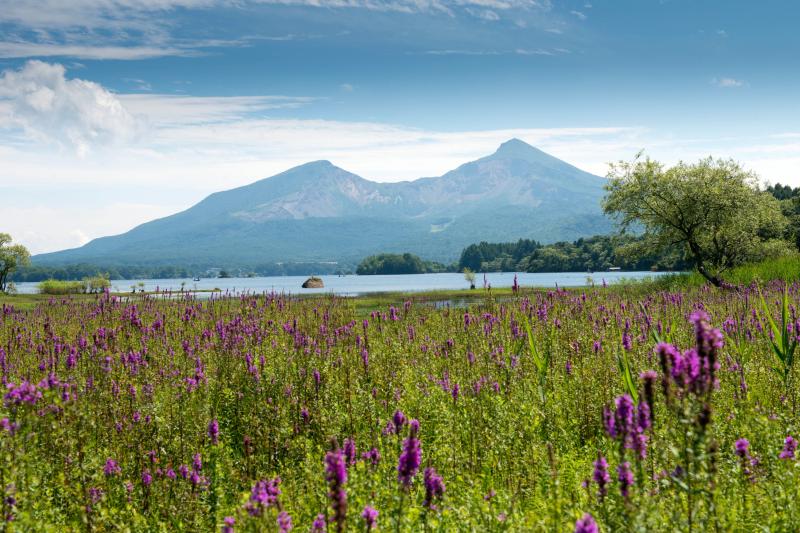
{"type": "Point", "coordinates": [529, 410]}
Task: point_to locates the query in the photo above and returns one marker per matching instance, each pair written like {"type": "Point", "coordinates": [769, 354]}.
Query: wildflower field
{"type": "Point", "coordinates": [558, 410]}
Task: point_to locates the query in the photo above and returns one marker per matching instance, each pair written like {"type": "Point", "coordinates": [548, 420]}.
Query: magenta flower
{"type": "Point", "coordinates": [625, 478]}
{"type": "Point", "coordinates": [264, 495]}
{"type": "Point", "coordinates": [319, 525]}
{"type": "Point", "coordinates": [399, 420]}
{"type": "Point", "coordinates": [789, 447]}
{"type": "Point", "coordinates": [213, 431]}
{"type": "Point", "coordinates": [350, 451]}
{"type": "Point", "coordinates": [600, 475]}
{"type": "Point", "coordinates": [434, 487]}
{"type": "Point", "coordinates": [336, 476]}
{"type": "Point", "coordinates": [741, 448]}
{"type": "Point", "coordinates": [410, 457]}
{"type": "Point", "coordinates": [284, 522]}
{"type": "Point", "coordinates": [111, 467]}
{"type": "Point", "coordinates": [586, 525]}
{"type": "Point", "coordinates": [370, 516]}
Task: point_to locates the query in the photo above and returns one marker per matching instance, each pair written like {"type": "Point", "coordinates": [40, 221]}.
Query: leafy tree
{"type": "Point", "coordinates": [713, 209]}
{"type": "Point", "coordinates": [790, 206]}
{"type": "Point", "coordinates": [12, 256]}
{"type": "Point", "coordinates": [783, 192]}
{"type": "Point", "coordinates": [397, 264]}
{"type": "Point", "coordinates": [469, 276]}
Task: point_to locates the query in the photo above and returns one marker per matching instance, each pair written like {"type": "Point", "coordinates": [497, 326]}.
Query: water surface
{"type": "Point", "coordinates": [355, 285]}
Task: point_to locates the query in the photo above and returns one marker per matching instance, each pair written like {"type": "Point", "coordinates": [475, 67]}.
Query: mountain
{"type": "Point", "coordinates": [320, 212]}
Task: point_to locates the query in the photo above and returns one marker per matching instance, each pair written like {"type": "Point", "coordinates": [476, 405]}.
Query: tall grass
{"type": "Point", "coordinates": [59, 287]}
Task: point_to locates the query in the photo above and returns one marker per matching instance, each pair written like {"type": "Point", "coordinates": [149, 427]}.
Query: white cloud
{"type": "Point", "coordinates": [79, 114]}
{"type": "Point", "coordinates": [28, 49]}
{"type": "Point", "coordinates": [59, 14]}
{"type": "Point", "coordinates": [160, 110]}
{"type": "Point", "coordinates": [579, 14]}
{"type": "Point", "coordinates": [484, 14]}
{"type": "Point", "coordinates": [517, 51]}
{"type": "Point", "coordinates": [727, 82]}
{"type": "Point", "coordinates": [71, 112]}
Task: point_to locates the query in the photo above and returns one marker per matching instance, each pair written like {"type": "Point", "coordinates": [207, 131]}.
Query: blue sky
{"type": "Point", "coordinates": [113, 112]}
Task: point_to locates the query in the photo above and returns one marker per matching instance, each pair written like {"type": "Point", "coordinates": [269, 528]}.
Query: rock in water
{"type": "Point", "coordinates": [313, 283]}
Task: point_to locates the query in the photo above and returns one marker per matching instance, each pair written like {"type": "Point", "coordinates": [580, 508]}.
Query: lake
{"type": "Point", "coordinates": [355, 285]}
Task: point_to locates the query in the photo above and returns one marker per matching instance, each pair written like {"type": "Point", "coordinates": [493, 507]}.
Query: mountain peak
{"type": "Point", "coordinates": [517, 149]}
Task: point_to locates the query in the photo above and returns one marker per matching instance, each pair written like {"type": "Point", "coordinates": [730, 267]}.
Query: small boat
{"type": "Point", "coordinates": [196, 279]}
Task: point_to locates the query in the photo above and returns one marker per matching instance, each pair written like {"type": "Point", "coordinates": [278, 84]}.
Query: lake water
{"type": "Point", "coordinates": [355, 285]}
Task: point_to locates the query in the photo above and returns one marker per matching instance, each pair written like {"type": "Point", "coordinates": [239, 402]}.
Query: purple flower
{"type": "Point", "coordinates": [335, 467]}
{"type": "Point", "coordinates": [434, 487]}
{"type": "Point", "coordinates": [95, 494]}
{"type": "Point", "coordinates": [741, 448]}
{"type": "Point", "coordinates": [373, 456]}
{"type": "Point", "coordinates": [25, 392]}
{"type": "Point", "coordinates": [197, 462]}
{"type": "Point", "coordinates": [213, 431]}
{"type": "Point", "coordinates": [600, 475]}
{"type": "Point", "coordinates": [399, 420]}
{"type": "Point", "coordinates": [111, 467]}
{"type": "Point", "coordinates": [626, 341]}
{"type": "Point", "coordinates": [410, 457]}
{"type": "Point", "coordinates": [643, 421]}
{"type": "Point", "coordinates": [7, 425]}
{"type": "Point", "coordinates": [789, 447]}
{"type": "Point", "coordinates": [625, 478]}
{"type": "Point", "coordinates": [639, 445]}
{"type": "Point", "coordinates": [319, 525]}
{"type": "Point", "coordinates": [350, 451]}
{"type": "Point", "coordinates": [284, 522]}
{"type": "Point", "coordinates": [370, 516]}
{"type": "Point", "coordinates": [586, 525]}
{"type": "Point", "coordinates": [608, 422]}
{"type": "Point", "coordinates": [229, 522]}
{"type": "Point", "coordinates": [264, 494]}
{"type": "Point", "coordinates": [147, 478]}
{"type": "Point", "coordinates": [623, 418]}
{"type": "Point", "coordinates": [336, 476]}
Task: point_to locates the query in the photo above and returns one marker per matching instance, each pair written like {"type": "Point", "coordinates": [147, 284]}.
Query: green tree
{"type": "Point", "coordinates": [12, 256]}
{"type": "Point", "coordinates": [713, 209]}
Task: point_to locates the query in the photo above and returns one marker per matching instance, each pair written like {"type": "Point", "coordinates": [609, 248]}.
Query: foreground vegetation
{"type": "Point", "coordinates": [529, 410]}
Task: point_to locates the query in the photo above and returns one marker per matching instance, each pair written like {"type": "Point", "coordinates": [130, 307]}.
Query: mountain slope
{"type": "Point", "coordinates": [319, 212]}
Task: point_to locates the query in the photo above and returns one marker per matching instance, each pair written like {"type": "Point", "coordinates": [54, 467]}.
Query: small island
{"type": "Point", "coordinates": [398, 264]}
{"type": "Point", "coordinates": [313, 283]}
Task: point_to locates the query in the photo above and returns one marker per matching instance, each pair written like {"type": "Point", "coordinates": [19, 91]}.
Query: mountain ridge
{"type": "Point", "coordinates": [318, 211]}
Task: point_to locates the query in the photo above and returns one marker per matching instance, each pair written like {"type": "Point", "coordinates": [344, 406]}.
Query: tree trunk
{"type": "Point", "coordinates": [714, 280]}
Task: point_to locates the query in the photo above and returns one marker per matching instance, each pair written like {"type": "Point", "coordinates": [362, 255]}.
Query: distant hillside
{"type": "Point", "coordinates": [319, 212]}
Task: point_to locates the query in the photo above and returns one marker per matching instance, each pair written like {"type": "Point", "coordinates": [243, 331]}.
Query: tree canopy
{"type": "Point", "coordinates": [713, 209]}
{"type": "Point", "coordinates": [12, 256]}
{"type": "Point", "coordinates": [397, 264]}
